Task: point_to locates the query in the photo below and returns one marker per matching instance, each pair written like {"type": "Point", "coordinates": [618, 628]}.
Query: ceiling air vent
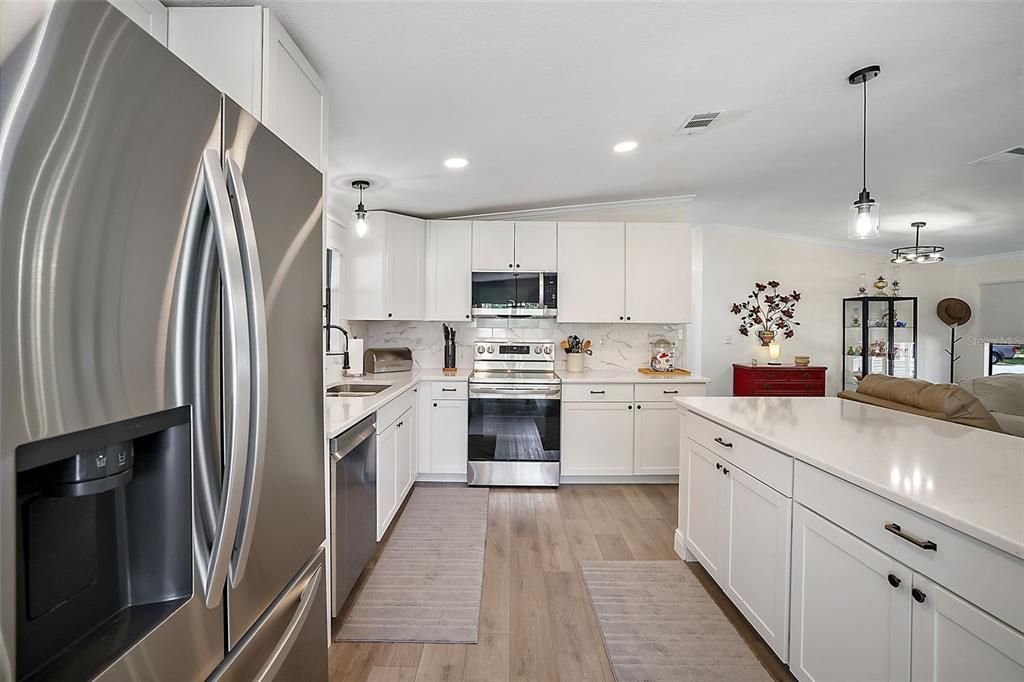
{"type": "Point", "coordinates": [697, 123]}
{"type": "Point", "coordinates": [1007, 155]}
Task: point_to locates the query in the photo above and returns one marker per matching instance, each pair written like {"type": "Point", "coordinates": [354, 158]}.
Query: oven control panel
{"type": "Point", "coordinates": [522, 351]}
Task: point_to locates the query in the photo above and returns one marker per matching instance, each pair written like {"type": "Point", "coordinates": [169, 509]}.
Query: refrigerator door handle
{"type": "Point", "coordinates": [236, 371]}
{"type": "Point", "coordinates": [258, 395]}
{"type": "Point", "coordinates": [277, 657]}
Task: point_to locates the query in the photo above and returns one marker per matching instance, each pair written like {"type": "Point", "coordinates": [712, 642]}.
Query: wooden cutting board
{"type": "Point", "coordinates": [668, 375]}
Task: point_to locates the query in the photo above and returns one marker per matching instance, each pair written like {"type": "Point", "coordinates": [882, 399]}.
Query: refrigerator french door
{"type": "Point", "coordinates": [161, 454]}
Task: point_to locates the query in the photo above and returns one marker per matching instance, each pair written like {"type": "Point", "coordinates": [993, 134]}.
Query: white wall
{"type": "Point", "coordinates": [970, 276]}
{"type": "Point", "coordinates": [733, 259]}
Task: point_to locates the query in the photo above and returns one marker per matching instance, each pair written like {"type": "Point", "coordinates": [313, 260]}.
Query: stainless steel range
{"type": "Point", "coordinates": [514, 414]}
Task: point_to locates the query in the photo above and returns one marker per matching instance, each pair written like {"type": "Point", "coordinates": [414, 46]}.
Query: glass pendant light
{"type": "Point", "coordinates": [863, 223]}
{"type": "Point", "coordinates": [361, 227]}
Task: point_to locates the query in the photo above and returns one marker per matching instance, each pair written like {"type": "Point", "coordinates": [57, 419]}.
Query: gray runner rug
{"type": "Point", "coordinates": [659, 623]}
{"type": "Point", "coordinates": [426, 584]}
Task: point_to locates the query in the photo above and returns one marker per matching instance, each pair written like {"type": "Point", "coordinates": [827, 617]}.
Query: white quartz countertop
{"type": "Point", "coordinates": [624, 376]}
{"type": "Point", "coordinates": [967, 478]}
{"type": "Point", "coordinates": [341, 413]}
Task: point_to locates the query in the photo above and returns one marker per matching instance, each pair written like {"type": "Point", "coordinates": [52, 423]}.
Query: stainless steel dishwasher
{"type": "Point", "coordinates": [353, 506]}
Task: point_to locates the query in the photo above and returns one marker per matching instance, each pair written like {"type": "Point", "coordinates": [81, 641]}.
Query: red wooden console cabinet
{"type": "Point", "coordinates": [778, 380]}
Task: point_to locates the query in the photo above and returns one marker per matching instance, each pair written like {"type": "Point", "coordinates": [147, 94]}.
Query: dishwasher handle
{"type": "Point", "coordinates": [351, 439]}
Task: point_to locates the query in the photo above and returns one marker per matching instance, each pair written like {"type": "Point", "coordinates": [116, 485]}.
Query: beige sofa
{"type": "Point", "coordinates": [948, 402]}
{"type": "Point", "coordinates": [1003, 396]}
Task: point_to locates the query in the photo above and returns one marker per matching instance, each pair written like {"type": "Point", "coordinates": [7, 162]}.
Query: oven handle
{"type": "Point", "coordinates": [514, 392]}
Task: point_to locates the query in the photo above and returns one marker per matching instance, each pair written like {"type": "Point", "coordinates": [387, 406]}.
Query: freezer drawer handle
{"type": "Point", "coordinates": [895, 529]}
{"type": "Point", "coordinates": [260, 367]}
{"type": "Point", "coordinates": [284, 647]}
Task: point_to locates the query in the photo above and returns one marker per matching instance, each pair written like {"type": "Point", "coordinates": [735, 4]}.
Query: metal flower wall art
{"type": "Point", "coordinates": [767, 313]}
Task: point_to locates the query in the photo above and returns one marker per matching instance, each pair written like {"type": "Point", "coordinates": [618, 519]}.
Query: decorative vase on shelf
{"type": "Point", "coordinates": [766, 337]}
{"type": "Point", "coordinates": [574, 362]}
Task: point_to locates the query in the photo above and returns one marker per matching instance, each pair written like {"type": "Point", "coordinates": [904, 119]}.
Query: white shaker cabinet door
{"type": "Point", "coordinates": [406, 243]}
{"type": "Point", "coordinates": [591, 272]}
{"type": "Point", "coordinates": [757, 555]}
{"type": "Point", "coordinates": [954, 640]}
{"type": "Point", "coordinates": [656, 439]}
{"type": "Point", "coordinates": [494, 245]}
{"type": "Point", "coordinates": [850, 606]}
{"type": "Point", "coordinates": [705, 510]}
{"type": "Point", "coordinates": [294, 96]}
{"type": "Point", "coordinates": [658, 272]}
{"type": "Point", "coordinates": [536, 246]}
{"type": "Point", "coordinates": [448, 270]}
{"type": "Point", "coordinates": [225, 46]}
{"type": "Point", "coordinates": [406, 454]}
{"type": "Point", "coordinates": [597, 439]}
{"type": "Point", "coordinates": [149, 14]}
{"type": "Point", "coordinates": [387, 477]}
{"type": "Point", "coordinates": [365, 263]}
{"type": "Point", "coordinates": [449, 435]}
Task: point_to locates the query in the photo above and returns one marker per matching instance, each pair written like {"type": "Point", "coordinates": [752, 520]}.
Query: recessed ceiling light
{"type": "Point", "coordinates": [627, 146]}
{"type": "Point", "coordinates": [456, 162]}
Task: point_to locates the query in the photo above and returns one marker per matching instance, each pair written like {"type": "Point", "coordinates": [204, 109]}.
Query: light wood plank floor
{"type": "Point", "coordinates": [536, 622]}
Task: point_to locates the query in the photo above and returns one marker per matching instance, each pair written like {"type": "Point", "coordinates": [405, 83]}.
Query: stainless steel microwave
{"type": "Point", "coordinates": [515, 294]}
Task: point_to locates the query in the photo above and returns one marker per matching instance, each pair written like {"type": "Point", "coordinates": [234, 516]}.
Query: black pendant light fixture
{"type": "Point", "coordinates": [863, 222]}
{"type": "Point", "coordinates": [360, 209]}
{"type": "Point", "coordinates": [917, 253]}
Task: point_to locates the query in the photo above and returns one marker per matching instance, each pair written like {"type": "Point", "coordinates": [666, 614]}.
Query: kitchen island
{"type": "Point", "coordinates": [856, 539]}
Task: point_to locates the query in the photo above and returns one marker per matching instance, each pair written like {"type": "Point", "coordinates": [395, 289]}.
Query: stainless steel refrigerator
{"type": "Point", "coordinates": [161, 428]}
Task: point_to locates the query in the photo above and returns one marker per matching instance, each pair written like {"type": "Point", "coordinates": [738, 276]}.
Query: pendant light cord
{"type": "Point", "coordinates": [864, 153]}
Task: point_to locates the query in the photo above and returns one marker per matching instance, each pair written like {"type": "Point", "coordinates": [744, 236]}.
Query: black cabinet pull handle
{"type": "Point", "coordinates": [628, 317]}
{"type": "Point", "coordinates": [718, 465]}
{"type": "Point", "coordinates": [639, 406]}
{"type": "Point", "coordinates": [894, 581]}
{"type": "Point", "coordinates": [670, 392]}
{"type": "Point", "coordinates": [435, 404]}
{"type": "Point", "coordinates": [467, 317]}
{"type": "Point", "coordinates": [723, 443]}
{"type": "Point", "coordinates": [630, 407]}
{"type": "Point", "coordinates": [918, 595]}
{"type": "Point", "coordinates": [510, 265]}
{"type": "Point", "coordinates": [389, 314]}
{"type": "Point", "coordinates": [620, 317]}
{"type": "Point", "coordinates": [517, 265]}
{"type": "Point", "coordinates": [449, 390]}
{"type": "Point", "coordinates": [725, 471]}
{"type": "Point", "coordinates": [894, 528]}
{"type": "Point", "coordinates": [597, 393]}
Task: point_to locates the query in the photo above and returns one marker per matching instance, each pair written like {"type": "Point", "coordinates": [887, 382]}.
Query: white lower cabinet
{"type": "Point", "coordinates": [955, 640]}
{"type": "Point", "coordinates": [597, 439]}
{"type": "Point", "coordinates": [449, 433]}
{"type": "Point", "coordinates": [739, 529]}
{"type": "Point", "coordinates": [757, 555]}
{"type": "Point", "coordinates": [656, 439]}
{"type": "Point", "coordinates": [396, 467]}
{"type": "Point", "coordinates": [850, 606]}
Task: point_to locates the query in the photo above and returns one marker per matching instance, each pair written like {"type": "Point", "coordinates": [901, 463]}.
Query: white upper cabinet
{"type": "Point", "coordinates": [405, 259]}
{"type": "Point", "coordinates": [591, 272]}
{"type": "Point", "coordinates": [384, 272]}
{"type": "Point", "coordinates": [494, 245]}
{"type": "Point", "coordinates": [294, 96]}
{"type": "Point", "coordinates": [448, 270]}
{"type": "Point", "coordinates": [149, 14]}
{"type": "Point", "coordinates": [658, 272]}
{"type": "Point", "coordinates": [536, 246]}
{"type": "Point", "coordinates": [245, 52]}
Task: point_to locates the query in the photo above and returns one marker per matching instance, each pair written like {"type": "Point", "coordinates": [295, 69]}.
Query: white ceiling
{"type": "Point", "coordinates": [536, 93]}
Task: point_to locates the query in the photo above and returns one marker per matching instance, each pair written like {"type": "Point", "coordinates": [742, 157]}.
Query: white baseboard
{"type": "Point", "coordinates": [619, 479]}
{"type": "Point", "coordinates": [679, 545]}
{"type": "Point", "coordinates": [441, 478]}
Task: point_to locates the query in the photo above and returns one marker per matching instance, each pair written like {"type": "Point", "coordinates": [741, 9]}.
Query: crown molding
{"type": "Point", "coordinates": [991, 258]}
{"type": "Point", "coordinates": [569, 209]}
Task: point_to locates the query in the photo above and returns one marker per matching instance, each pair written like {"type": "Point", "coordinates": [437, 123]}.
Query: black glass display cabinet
{"type": "Point", "coordinates": [879, 337]}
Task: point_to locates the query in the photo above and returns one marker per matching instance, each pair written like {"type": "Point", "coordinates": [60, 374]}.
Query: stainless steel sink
{"type": "Point", "coordinates": [355, 390]}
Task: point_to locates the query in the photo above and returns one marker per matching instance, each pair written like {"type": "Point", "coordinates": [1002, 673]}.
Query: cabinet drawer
{"type": "Point", "coordinates": [981, 574]}
{"type": "Point", "coordinates": [448, 390]}
{"type": "Point", "coordinates": [388, 414]}
{"type": "Point", "coordinates": [594, 393]}
{"type": "Point", "coordinates": [767, 465]}
{"type": "Point", "coordinates": [662, 391]}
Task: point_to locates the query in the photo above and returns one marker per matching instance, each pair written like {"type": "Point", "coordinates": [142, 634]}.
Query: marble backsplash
{"type": "Point", "coordinates": [615, 346]}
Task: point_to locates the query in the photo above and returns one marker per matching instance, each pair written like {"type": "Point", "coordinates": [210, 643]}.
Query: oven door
{"type": "Point", "coordinates": [514, 434]}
